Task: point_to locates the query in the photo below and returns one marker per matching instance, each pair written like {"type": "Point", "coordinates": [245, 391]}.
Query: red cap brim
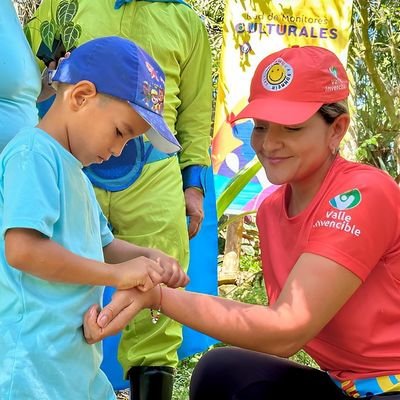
{"type": "Point", "coordinates": [278, 111]}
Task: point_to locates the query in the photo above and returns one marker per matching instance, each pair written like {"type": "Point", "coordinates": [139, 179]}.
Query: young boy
{"type": "Point", "coordinates": [57, 252]}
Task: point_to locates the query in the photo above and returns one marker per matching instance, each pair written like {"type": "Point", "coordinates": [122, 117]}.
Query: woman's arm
{"type": "Point", "coordinates": [315, 291]}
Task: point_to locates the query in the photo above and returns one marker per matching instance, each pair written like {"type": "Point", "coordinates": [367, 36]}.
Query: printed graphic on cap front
{"type": "Point", "coordinates": [277, 75]}
{"type": "Point", "coordinates": [347, 200]}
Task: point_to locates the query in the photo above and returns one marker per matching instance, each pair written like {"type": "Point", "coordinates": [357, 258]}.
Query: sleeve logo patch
{"type": "Point", "coordinates": [347, 200]}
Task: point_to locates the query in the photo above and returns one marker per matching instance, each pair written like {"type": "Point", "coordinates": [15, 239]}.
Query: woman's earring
{"type": "Point", "coordinates": [334, 150]}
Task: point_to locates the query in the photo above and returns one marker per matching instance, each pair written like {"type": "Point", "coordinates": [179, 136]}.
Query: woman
{"type": "Point", "coordinates": [20, 83]}
{"type": "Point", "coordinates": [330, 245]}
{"type": "Point", "coordinates": [20, 77]}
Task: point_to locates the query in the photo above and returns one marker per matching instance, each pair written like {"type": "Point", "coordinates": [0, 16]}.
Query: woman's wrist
{"type": "Point", "coordinates": [155, 299]}
{"type": "Point", "coordinates": [155, 310]}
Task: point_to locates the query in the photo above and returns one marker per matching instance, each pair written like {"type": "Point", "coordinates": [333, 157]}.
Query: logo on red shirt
{"type": "Point", "coordinates": [347, 200]}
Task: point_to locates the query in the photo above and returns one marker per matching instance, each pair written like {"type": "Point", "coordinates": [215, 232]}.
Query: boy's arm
{"type": "Point", "coordinates": [120, 250]}
{"type": "Point", "coordinates": [30, 251]}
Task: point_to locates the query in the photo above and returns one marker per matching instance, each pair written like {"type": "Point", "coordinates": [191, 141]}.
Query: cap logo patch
{"type": "Point", "coordinates": [277, 76]}
{"type": "Point", "coordinates": [334, 72]}
{"type": "Point", "coordinates": [336, 83]}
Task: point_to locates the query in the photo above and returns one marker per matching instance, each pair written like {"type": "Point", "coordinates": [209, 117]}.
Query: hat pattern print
{"type": "Point", "coordinates": [153, 91]}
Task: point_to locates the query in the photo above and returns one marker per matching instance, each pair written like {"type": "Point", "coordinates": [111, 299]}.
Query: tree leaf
{"type": "Point", "coordinates": [66, 11]}
{"type": "Point", "coordinates": [47, 32]}
{"type": "Point", "coordinates": [70, 35]}
{"type": "Point", "coordinates": [236, 184]}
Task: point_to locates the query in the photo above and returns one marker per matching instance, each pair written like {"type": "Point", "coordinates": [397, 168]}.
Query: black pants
{"type": "Point", "coordinates": [229, 373]}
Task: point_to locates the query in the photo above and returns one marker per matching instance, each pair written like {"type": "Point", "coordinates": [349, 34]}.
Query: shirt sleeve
{"type": "Point", "coordinates": [193, 122]}
{"type": "Point", "coordinates": [105, 227]}
{"type": "Point", "coordinates": [106, 236]}
{"type": "Point", "coordinates": [31, 193]}
{"type": "Point", "coordinates": [358, 226]}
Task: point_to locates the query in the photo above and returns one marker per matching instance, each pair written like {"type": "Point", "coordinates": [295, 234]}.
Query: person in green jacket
{"type": "Point", "coordinates": [145, 194]}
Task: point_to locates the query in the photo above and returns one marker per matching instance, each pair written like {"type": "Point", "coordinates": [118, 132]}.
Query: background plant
{"type": "Point", "coordinates": [374, 61]}
{"type": "Point", "coordinates": [60, 28]}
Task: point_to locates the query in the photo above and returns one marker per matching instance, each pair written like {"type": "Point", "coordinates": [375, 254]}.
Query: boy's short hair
{"type": "Point", "coordinates": [120, 68]}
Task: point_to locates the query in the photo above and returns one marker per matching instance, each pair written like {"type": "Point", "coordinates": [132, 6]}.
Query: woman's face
{"type": "Point", "coordinates": [296, 153]}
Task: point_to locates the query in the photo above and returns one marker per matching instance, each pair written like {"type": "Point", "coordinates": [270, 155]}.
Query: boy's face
{"type": "Point", "coordinates": [102, 128]}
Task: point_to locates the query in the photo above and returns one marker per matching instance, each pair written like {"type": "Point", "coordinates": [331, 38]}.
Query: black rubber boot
{"type": "Point", "coordinates": [151, 383]}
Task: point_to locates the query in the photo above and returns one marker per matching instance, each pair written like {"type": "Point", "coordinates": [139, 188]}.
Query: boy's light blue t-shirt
{"type": "Point", "coordinates": [43, 352]}
{"type": "Point", "coordinates": [20, 81]}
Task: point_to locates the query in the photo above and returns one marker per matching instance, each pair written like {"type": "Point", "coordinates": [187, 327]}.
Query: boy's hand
{"type": "Point", "coordinates": [91, 331]}
{"type": "Point", "coordinates": [141, 272]}
{"type": "Point", "coordinates": [173, 274]}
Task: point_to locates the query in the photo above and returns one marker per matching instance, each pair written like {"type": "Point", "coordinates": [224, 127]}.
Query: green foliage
{"type": "Point", "coordinates": [374, 61]}
{"type": "Point", "coordinates": [48, 33]}
{"type": "Point", "coordinates": [183, 375]}
{"type": "Point", "coordinates": [303, 358]}
{"type": "Point", "coordinates": [212, 13]}
{"type": "Point", "coordinates": [25, 9]}
{"type": "Point", "coordinates": [66, 11]}
{"type": "Point", "coordinates": [61, 27]}
{"type": "Point", "coordinates": [251, 291]}
{"type": "Point", "coordinates": [70, 34]}
{"type": "Point", "coordinates": [236, 184]}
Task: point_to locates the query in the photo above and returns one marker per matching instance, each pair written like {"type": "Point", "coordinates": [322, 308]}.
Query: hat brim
{"type": "Point", "coordinates": [159, 134]}
{"type": "Point", "coordinates": [279, 111]}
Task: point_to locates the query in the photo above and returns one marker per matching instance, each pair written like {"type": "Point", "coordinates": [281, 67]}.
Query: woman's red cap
{"type": "Point", "coordinates": [290, 85]}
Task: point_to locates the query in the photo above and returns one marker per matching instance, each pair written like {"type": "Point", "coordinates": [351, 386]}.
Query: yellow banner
{"type": "Point", "coordinates": [252, 30]}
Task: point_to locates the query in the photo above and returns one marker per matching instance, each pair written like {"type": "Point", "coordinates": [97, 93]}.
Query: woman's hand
{"type": "Point", "coordinates": [124, 306]}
